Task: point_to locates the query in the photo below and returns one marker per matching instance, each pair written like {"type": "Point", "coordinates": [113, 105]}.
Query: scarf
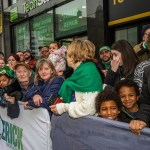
{"type": "Point", "coordinates": [85, 78]}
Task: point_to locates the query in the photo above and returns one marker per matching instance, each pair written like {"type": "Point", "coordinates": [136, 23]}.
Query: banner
{"type": "Point", "coordinates": [94, 133]}
{"type": "Point", "coordinates": [30, 131]}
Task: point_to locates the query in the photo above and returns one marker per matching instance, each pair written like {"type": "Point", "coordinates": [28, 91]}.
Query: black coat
{"type": "Point", "coordinates": [113, 77]}
{"type": "Point", "coordinates": [14, 90]}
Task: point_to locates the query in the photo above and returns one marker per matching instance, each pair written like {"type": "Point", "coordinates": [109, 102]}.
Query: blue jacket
{"type": "Point", "coordinates": [44, 89]}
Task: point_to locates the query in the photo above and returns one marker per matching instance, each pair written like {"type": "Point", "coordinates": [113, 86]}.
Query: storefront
{"type": "Point", "coordinates": [34, 23]}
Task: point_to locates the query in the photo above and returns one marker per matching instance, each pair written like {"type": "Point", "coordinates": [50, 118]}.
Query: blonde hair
{"type": "Point", "coordinates": [81, 50]}
{"type": "Point", "coordinates": [40, 64]}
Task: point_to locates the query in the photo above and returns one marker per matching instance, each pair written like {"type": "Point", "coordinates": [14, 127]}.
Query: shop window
{"type": "Point", "coordinates": [71, 18]}
{"type": "Point", "coordinates": [41, 31]}
{"type": "Point", "coordinates": [22, 36]}
{"type": "Point", "coordinates": [13, 2]}
{"type": "Point", "coordinates": [129, 34]}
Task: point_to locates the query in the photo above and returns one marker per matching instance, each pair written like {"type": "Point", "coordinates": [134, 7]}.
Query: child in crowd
{"type": "Point", "coordinates": [108, 104]}
{"type": "Point", "coordinates": [10, 93]}
{"type": "Point", "coordinates": [3, 66]}
{"type": "Point", "coordinates": [129, 94]}
{"type": "Point", "coordinates": [58, 57]}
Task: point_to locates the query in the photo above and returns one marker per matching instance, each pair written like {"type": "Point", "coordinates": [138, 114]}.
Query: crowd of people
{"type": "Point", "coordinates": [114, 87]}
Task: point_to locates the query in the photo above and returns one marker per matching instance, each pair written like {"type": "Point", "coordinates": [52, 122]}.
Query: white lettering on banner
{"type": "Point", "coordinates": [31, 130]}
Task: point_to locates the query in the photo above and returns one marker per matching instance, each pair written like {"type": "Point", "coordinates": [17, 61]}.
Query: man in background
{"type": "Point", "coordinates": [29, 59]}
{"type": "Point", "coordinates": [21, 55]}
{"type": "Point", "coordinates": [105, 59]}
{"type": "Point", "coordinates": [143, 49]}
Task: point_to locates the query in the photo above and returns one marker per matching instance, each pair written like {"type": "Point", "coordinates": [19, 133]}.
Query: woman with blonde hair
{"type": "Point", "coordinates": [78, 92]}
{"type": "Point", "coordinates": [46, 83]}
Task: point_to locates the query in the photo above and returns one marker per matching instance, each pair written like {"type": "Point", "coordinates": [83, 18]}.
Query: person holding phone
{"type": "Point", "coordinates": [123, 63]}
{"type": "Point", "coordinates": [46, 83]}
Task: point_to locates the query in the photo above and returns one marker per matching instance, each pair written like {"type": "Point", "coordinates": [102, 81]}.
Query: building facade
{"type": "Point", "coordinates": [28, 24]}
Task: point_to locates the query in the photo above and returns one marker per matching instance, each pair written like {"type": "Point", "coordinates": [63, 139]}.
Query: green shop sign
{"type": "Point", "coordinates": [13, 14]}
{"type": "Point", "coordinates": [28, 6]}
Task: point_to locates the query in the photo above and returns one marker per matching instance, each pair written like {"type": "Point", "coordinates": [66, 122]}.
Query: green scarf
{"type": "Point", "coordinates": [85, 78]}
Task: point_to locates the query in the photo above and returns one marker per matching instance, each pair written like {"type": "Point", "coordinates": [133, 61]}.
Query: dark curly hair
{"type": "Point", "coordinates": [107, 94]}
{"type": "Point", "coordinates": [127, 83]}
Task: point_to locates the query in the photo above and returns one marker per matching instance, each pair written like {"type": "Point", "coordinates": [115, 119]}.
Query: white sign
{"type": "Point", "coordinates": [30, 131]}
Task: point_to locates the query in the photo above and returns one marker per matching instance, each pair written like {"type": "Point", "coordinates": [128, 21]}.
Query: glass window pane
{"type": "Point", "coordinates": [42, 32]}
{"type": "Point", "coordinates": [22, 36]}
{"type": "Point", "coordinates": [13, 2]}
{"type": "Point", "coordinates": [132, 36]}
{"type": "Point", "coordinates": [121, 35]}
{"type": "Point", "coordinates": [129, 34]}
{"type": "Point", "coordinates": [71, 18]}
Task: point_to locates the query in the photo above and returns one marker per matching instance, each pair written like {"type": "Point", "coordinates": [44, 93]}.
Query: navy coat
{"type": "Point", "coordinates": [44, 89]}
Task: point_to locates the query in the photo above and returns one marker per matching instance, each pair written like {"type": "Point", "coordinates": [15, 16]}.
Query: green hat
{"type": "Point", "coordinates": [104, 48]}
{"type": "Point", "coordinates": [8, 72]}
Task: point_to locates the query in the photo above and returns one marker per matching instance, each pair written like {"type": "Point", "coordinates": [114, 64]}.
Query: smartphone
{"type": "Point", "coordinates": [52, 99]}
{"type": "Point", "coordinates": [29, 107]}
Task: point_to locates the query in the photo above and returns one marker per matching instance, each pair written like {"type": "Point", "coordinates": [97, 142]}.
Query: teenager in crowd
{"type": "Point", "coordinates": [124, 61]}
